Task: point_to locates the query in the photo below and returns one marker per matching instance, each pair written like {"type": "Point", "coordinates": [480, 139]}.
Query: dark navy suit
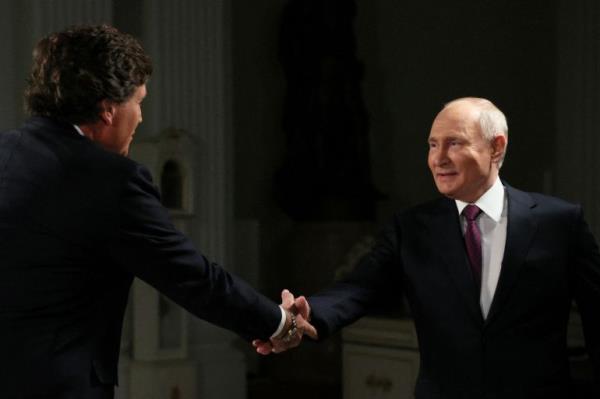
{"type": "Point", "coordinates": [519, 351]}
{"type": "Point", "coordinates": [77, 223]}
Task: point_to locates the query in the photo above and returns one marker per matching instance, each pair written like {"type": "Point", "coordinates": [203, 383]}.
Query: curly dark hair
{"type": "Point", "coordinates": [75, 69]}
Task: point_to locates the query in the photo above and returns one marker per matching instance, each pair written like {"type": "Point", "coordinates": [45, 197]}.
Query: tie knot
{"type": "Point", "coordinates": [471, 212]}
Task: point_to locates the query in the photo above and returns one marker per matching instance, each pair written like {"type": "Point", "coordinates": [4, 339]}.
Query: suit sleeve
{"type": "Point", "coordinates": [374, 281]}
{"type": "Point", "coordinates": [148, 245]}
{"type": "Point", "coordinates": [586, 288]}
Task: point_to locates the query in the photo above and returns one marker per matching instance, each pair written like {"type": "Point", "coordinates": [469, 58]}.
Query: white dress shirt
{"type": "Point", "coordinates": [79, 130]}
{"type": "Point", "coordinates": [492, 223]}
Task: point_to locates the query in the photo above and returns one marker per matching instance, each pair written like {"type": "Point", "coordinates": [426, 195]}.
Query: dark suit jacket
{"type": "Point", "coordinates": [520, 350]}
{"type": "Point", "coordinates": [77, 223]}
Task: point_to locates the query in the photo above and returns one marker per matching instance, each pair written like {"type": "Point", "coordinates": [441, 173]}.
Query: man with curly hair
{"type": "Point", "coordinates": [78, 220]}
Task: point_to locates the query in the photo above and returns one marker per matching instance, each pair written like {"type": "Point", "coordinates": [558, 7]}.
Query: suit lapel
{"type": "Point", "coordinates": [447, 236]}
{"type": "Point", "coordinates": [520, 231]}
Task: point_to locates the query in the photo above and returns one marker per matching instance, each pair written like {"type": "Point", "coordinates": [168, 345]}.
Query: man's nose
{"type": "Point", "coordinates": [440, 157]}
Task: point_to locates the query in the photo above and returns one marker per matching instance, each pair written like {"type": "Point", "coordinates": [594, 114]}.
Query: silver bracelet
{"type": "Point", "coordinates": [293, 330]}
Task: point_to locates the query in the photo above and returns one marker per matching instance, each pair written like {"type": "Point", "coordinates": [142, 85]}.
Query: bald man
{"type": "Point", "coordinates": [489, 272]}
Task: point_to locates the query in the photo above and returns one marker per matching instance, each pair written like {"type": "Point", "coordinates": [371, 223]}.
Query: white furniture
{"type": "Point", "coordinates": [380, 359]}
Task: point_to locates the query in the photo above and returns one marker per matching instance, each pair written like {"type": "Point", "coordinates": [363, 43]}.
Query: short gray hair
{"type": "Point", "coordinates": [492, 121]}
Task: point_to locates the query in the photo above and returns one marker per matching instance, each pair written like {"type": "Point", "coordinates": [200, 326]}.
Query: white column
{"type": "Point", "coordinates": [578, 106]}
{"type": "Point", "coordinates": [10, 97]}
{"type": "Point", "coordinates": [51, 15]}
{"type": "Point", "coordinates": [189, 42]}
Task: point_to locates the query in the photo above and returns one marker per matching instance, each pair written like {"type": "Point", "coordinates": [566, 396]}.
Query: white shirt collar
{"type": "Point", "coordinates": [79, 130]}
{"type": "Point", "coordinates": [491, 202]}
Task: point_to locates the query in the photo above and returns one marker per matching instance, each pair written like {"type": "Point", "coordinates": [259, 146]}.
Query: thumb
{"type": "Point", "coordinates": [302, 307]}
{"type": "Point", "coordinates": [287, 299]}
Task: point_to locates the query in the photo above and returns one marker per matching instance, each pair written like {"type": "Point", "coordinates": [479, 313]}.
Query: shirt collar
{"type": "Point", "coordinates": [491, 202]}
{"type": "Point", "coordinates": [79, 130]}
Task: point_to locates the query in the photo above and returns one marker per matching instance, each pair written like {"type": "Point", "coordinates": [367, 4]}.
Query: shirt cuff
{"type": "Point", "coordinates": [281, 323]}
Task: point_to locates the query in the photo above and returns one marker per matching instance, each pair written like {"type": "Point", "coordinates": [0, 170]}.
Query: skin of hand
{"type": "Point", "coordinates": [301, 309]}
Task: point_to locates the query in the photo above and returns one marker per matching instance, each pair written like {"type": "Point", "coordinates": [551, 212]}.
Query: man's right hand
{"type": "Point", "coordinates": [297, 324]}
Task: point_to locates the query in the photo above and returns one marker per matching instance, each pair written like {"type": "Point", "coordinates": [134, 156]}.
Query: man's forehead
{"type": "Point", "coordinates": [449, 128]}
{"type": "Point", "coordinates": [444, 134]}
{"type": "Point", "coordinates": [456, 115]}
{"type": "Point", "coordinates": [447, 124]}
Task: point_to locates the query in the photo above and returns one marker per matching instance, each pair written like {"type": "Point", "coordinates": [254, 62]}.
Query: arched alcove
{"type": "Point", "coordinates": [171, 185]}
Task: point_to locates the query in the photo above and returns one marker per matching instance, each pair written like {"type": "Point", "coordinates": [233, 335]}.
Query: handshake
{"type": "Point", "coordinates": [297, 312]}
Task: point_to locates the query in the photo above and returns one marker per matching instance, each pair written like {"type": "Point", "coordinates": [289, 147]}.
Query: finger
{"type": "Point", "coordinates": [306, 328]}
{"type": "Point", "coordinates": [282, 346]}
{"type": "Point", "coordinates": [258, 342]}
{"type": "Point", "coordinates": [311, 331]}
{"type": "Point", "coordinates": [287, 299]}
{"type": "Point", "coordinates": [264, 350]}
{"type": "Point", "coordinates": [262, 347]}
{"type": "Point", "coordinates": [302, 307]}
{"type": "Point", "coordinates": [278, 346]}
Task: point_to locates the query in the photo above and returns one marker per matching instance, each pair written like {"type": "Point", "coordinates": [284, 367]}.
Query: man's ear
{"type": "Point", "coordinates": [498, 147]}
{"type": "Point", "coordinates": [107, 112]}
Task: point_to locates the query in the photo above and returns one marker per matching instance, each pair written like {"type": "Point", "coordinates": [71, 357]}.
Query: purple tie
{"type": "Point", "coordinates": [473, 241]}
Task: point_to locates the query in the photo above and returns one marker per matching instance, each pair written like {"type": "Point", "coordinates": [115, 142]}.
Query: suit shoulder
{"type": "Point", "coordinates": [546, 208]}
{"type": "Point", "coordinates": [427, 209]}
{"type": "Point", "coordinates": [120, 163]}
{"type": "Point", "coordinates": [549, 200]}
{"type": "Point", "coordinates": [542, 201]}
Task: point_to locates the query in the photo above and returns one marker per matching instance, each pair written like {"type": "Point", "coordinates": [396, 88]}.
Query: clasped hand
{"type": "Point", "coordinates": [300, 308]}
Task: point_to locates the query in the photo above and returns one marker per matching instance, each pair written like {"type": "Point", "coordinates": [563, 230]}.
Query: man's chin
{"type": "Point", "coordinates": [446, 191]}
{"type": "Point", "coordinates": [123, 151]}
